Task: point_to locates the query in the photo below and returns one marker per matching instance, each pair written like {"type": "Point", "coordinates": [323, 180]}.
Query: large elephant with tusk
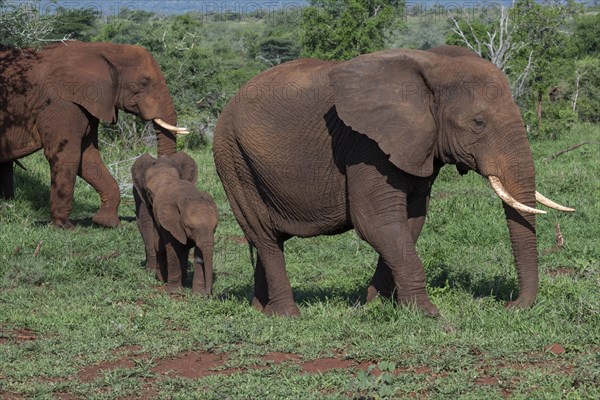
{"type": "Point", "coordinates": [316, 147]}
{"type": "Point", "coordinates": [55, 98]}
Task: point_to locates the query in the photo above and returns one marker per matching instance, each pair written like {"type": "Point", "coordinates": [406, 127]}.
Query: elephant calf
{"type": "Point", "coordinates": [173, 216]}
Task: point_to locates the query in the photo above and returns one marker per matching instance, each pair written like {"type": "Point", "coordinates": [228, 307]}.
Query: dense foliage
{"type": "Point", "coordinates": [207, 57]}
{"type": "Point", "coordinates": [343, 29]}
{"type": "Point", "coordinates": [555, 53]}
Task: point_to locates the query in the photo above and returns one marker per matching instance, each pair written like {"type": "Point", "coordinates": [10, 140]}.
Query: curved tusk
{"type": "Point", "coordinates": [175, 129]}
{"type": "Point", "coordinates": [549, 203]}
{"type": "Point", "coordinates": [508, 199]}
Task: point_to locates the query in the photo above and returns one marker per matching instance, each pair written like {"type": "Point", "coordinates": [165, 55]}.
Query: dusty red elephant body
{"type": "Point", "coordinates": [55, 98]}
{"type": "Point", "coordinates": [313, 147]}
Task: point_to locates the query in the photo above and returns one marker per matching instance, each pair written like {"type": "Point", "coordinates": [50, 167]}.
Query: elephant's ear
{"type": "Point", "coordinates": [167, 214]}
{"type": "Point", "coordinates": [385, 96]}
{"type": "Point", "coordinates": [138, 170]}
{"type": "Point", "coordinates": [186, 166]}
{"type": "Point", "coordinates": [86, 78]}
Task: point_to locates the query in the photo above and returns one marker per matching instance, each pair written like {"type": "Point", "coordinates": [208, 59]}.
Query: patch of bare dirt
{"type": "Point", "coordinates": [561, 271]}
{"type": "Point", "coordinates": [65, 396]}
{"type": "Point", "coordinates": [279, 358]}
{"type": "Point", "coordinates": [195, 364]}
{"type": "Point", "coordinates": [198, 364]}
{"type": "Point", "coordinates": [321, 365]}
{"type": "Point", "coordinates": [91, 373]}
{"type": "Point", "coordinates": [555, 348]}
{"type": "Point", "coordinates": [487, 380]}
{"type": "Point", "coordinates": [10, 396]}
{"type": "Point", "coordinates": [17, 335]}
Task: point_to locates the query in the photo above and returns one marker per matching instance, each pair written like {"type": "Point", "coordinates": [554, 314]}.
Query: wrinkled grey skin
{"type": "Point", "coordinates": [173, 216]}
{"type": "Point", "coordinates": [315, 147]}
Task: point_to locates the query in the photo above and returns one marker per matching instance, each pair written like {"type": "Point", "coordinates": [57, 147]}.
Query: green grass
{"type": "Point", "coordinates": [85, 298]}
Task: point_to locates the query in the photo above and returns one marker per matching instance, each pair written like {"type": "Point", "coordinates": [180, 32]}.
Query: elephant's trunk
{"type": "Point", "coordinates": [203, 268]}
{"type": "Point", "coordinates": [517, 176]}
{"type": "Point", "coordinates": [208, 267]}
{"type": "Point", "coordinates": [165, 138]}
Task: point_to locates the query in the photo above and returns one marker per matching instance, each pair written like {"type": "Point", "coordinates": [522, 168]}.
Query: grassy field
{"type": "Point", "coordinates": [81, 318]}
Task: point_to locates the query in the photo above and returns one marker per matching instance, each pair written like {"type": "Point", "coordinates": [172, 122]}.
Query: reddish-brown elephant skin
{"type": "Point", "coordinates": [174, 217]}
{"type": "Point", "coordinates": [316, 147]}
{"type": "Point", "coordinates": [54, 98]}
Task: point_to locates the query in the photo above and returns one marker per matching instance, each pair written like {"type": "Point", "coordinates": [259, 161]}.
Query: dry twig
{"type": "Point", "coordinates": [38, 248]}
{"type": "Point", "coordinates": [552, 157]}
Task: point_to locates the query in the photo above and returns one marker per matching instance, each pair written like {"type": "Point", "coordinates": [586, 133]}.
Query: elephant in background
{"type": "Point", "coordinates": [315, 147]}
{"type": "Point", "coordinates": [173, 216]}
{"type": "Point", "coordinates": [55, 98]}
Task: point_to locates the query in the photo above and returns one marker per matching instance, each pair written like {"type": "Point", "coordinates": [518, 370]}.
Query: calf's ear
{"type": "Point", "coordinates": [138, 170]}
{"type": "Point", "coordinates": [168, 216]}
{"type": "Point", "coordinates": [186, 165]}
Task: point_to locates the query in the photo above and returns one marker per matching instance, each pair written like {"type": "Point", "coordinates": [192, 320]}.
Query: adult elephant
{"type": "Point", "coordinates": [316, 147]}
{"type": "Point", "coordinates": [54, 99]}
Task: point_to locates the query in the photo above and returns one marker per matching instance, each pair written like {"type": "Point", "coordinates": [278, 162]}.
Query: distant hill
{"type": "Point", "coordinates": [112, 7]}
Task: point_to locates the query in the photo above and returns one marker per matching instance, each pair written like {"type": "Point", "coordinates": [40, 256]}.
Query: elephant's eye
{"type": "Point", "coordinates": [144, 83]}
{"type": "Point", "coordinates": [478, 124]}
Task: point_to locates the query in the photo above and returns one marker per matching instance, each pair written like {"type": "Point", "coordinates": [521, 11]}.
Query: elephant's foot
{"type": "Point", "coordinates": [259, 303]}
{"type": "Point", "coordinates": [106, 218]}
{"type": "Point", "coordinates": [521, 302]}
{"type": "Point", "coordinates": [63, 223]}
{"type": "Point", "coordinates": [201, 291]}
{"type": "Point", "coordinates": [373, 293]}
{"type": "Point", "coordinates": [174, 288]}
{"type": "Point", "coordinates": [422, 303]}
{"type": "Point", "coordinates": [283, 309]}
{"type": "Point", "coordinates": [6, 194]}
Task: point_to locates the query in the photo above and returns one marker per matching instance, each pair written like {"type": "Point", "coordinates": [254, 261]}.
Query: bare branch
{"type": "Point", "coordinates": [458, 30]}
{"type": "Point", "coordinates": [519, 83]}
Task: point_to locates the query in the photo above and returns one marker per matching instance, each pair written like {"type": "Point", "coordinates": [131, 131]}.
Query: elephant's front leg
{"type": "Point", "coordinates": [145, 223]}
{"type": "Point", "coordinates": [382, 282]}
{"type": "Point", "coordinates": [176, 258]}
{"type": "Point", "coordinates": [378, 207]}
{"type": "Point", "coordinates": [94, 172]}
{"type": "Point", "coordinates": [7, 190]}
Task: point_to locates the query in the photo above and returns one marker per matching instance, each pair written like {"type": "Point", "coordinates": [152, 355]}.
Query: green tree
{"type": "Point", "coordinates": [541, 26]}
{"type": "Point", "coordinates": [587, 34]}
{"type": "Point", "coordinates": [21, 25]}
{"type": "Point", "coordinates": [473, 31]}
{"type": "Point", "coordinates": [75, 24]}
{"type": "Point", "coordinates": [343, 29]}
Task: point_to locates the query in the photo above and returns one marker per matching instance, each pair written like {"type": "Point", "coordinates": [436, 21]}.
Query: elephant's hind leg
{"type": "Point", "coordinates": [7, 191]}
{"type": "Point", "coordinates": [272, 289]}
{"type": "Point", "coordinates": [94, 172]}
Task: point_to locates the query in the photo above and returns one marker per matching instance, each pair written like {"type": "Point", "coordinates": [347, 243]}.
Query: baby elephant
{"type": "Point", "coordinates": [173, 216]}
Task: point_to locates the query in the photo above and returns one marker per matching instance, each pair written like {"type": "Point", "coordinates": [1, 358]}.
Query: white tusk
{"type": "Point", "coordinates": [176, 130]}
{"type": "Point", "coordinates": [508, 199]}
{"type": "Point", "coordinates": [549, 203]}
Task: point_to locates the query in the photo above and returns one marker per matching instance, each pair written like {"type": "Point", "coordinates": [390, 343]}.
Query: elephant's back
{"type": "Point", "coordinates": [282, 108]}
{"type": "Point", "coordinates": [277, 123]}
